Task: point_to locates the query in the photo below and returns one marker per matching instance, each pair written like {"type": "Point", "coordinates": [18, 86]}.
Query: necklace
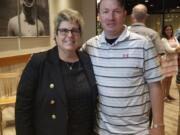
{"type": "Point", "coordinates": [69, 65]}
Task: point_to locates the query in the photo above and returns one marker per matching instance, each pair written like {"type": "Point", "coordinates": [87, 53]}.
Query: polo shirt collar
{"type": "Point", "coordinates": [123, 36]}
{"type": "Point", "coordinates": [138, 24]}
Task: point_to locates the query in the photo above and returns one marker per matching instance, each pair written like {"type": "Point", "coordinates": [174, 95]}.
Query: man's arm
{"type": "Point", "coordinates": [158, 44]}
{"type": "Point", "coordinates": [156, 97]}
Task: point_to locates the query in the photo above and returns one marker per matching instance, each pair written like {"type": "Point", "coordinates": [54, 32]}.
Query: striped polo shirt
{"type": "Point", "coordinates": [122, 71]}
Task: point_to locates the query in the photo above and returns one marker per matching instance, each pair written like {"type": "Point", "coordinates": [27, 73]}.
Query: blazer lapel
{"type": "Point", "coordinates": [88, 68]}
{"type": "Point", "coordinates": [86, 62]}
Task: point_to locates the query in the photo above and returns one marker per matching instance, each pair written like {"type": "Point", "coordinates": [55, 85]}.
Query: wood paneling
{"type": "Point", "coordinates": [7, 61]}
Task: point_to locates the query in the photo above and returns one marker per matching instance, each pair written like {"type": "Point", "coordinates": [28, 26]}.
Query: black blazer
{"type": "Point", "coordinates": [41, 106]}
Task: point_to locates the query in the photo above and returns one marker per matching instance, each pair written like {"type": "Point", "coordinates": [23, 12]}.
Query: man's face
{"type": "Point", "coordinates": [28, 3]}
{"type": "Point", "coordinates": [28, 6]}
{"type": "Point", "coordinates": [112, 17]}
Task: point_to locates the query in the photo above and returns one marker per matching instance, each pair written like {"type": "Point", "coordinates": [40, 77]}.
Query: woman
{"type": "Point", "coordinates": [57, 91]}
{"type": "Point", "coordinates": [171, 66]}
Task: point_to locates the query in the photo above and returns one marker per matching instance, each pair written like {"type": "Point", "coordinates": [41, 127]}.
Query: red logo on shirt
{"type": "Point", "coordinates": [125, 55]}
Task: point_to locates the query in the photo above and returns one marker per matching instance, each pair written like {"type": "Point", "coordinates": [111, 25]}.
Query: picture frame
{"type": "Point", "coordinates": [24, 18]}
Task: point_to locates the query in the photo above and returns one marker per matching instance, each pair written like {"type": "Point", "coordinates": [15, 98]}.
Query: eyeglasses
{"type": "Point", "coordinates": [64, 31]}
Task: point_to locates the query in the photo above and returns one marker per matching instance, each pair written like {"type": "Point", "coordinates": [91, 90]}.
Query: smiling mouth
{"type": "Point", "coordinates": [70, 42]}
{"type": "Point", "coordinates": [110, 24]}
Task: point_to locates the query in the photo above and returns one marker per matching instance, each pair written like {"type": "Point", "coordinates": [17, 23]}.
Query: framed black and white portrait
{"type": "Point", "coordinates": [27, 18]}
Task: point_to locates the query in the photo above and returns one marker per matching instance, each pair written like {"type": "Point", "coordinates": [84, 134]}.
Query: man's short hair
{"type": "Point", "coordinates": [122, 3]}
{"type": "Point", "coordinates": [139, 12]}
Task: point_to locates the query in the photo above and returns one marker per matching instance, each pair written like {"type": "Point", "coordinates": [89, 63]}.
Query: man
{"type": "Point", "coordinates": [139, 16]}
{"type": "Point", "coordinates": [29, 26]}
{"type": "Point", "coordinates": [127, 74]}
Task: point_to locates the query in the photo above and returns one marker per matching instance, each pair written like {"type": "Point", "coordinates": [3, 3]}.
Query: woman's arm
{"type": "Point", "coordinates": [168, 48]}
{"type": "Point", "coordinates": [25, 97]}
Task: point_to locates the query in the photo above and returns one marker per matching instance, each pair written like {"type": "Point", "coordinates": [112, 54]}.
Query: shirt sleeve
{"type": "Point", "coordinates": [152, 70]}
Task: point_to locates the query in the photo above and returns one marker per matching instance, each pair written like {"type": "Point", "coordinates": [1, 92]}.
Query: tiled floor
{"type": "Point", "coordinates": [171, 111]}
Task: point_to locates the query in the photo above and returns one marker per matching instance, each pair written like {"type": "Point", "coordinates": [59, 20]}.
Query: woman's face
{"type": "Point", "coordinates": [168, 31]}
{"type": "Point", "coordinates": [68, 36]}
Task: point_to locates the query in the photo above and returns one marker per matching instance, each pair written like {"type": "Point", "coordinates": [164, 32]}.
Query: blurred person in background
{"type": "Point", "coordinates": [171, 64]}
{"type": "Point", "coordinates": [139, 17]}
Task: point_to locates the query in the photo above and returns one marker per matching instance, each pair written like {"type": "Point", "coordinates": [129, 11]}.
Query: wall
{"type": "Point", "coordinates": [86, 7]}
